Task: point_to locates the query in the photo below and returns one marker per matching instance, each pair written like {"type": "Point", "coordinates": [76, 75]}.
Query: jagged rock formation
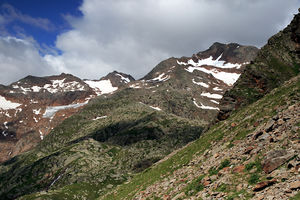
{"type": "Point", "coordinates": [276, 62]}
{"type": "Point", "coordinates": [31, 107]}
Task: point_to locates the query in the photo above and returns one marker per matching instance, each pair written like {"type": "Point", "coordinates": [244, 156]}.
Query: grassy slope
{"type": "Point", "coordinates": [264, 107]}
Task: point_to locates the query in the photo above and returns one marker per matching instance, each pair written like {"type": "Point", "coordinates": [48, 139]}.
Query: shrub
{"type": "Point", "coordinates": [254, 178]}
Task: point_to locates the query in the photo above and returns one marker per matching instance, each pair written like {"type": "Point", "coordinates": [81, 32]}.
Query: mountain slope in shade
{"type": "Point", "coordinates": [276, 62]}
{"type": "Point", "coordinates": [31, 107]}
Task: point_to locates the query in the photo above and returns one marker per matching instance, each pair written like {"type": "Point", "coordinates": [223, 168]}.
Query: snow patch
{"type": "Point", "coordinates": [4, 133]}
{"type": "Point", "coordinates": [102, 117]}
{"type": "Point", "coordinates": [7, 115]}
{"type": "Point", "coordinates": [102, 86]}
{"type": "Point", "coordinates": [211, 62]}
{"type": "Point", "coordinates": [51, 110]}
{"type": "Point", "coordinates": [36, 121]}
{"type": "Point", "coordinates": [55, 180]}
{"type": "Point", "coordinates": [214, 101]}
{"type": "Point", "coordinates": [209, 95]}
{"type": "Point", "coordinates": [161, 77]}
{"type": "Point", "coordinates": [217, 89]}
{"type": "Point", "coordinates": [155, 108]}
{"type": "Point", "coordinates": [6, 104]}
{"type": "Point", "coordinates": [60, 85]}
{"type": "Point", "coordinates": [226, 77]}
{"type": "Point", "coordinates": [205, 107]}
{"type": "Point", "coordinates": [201, 84]}
{"type": "Point", "coordinates": [37, 111]}
{"type": "Point", "coordinates": [126, 80]}
{"type": "Point", "coordinates": [5, 125]}
{"type": "Point", "coordinates": [136, 86]}
{"type": "Point", "coordinates": [36, 88]}
{"type": "Point", "coordinates": [41, 135]}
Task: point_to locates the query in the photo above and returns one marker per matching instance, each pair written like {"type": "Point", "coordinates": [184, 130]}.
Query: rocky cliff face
{"type": "Point", "coordinates": [276, 62]}
{"type": "Point", "coordinates": [31, 107]}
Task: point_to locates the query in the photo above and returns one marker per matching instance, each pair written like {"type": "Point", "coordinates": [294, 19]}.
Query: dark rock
{"type": "Point", "coordinates": [275, 159]}
{"type": "Point", "coordinates": [295, 185]}
{"type": "Point", "coordinates": [248, 150]}
{"type": "Point", "coordinates": [262, 185]}
{"type": "Point", "coordinates": [269, 125]}
{"type": "Point", "coordinates": [257, 134]}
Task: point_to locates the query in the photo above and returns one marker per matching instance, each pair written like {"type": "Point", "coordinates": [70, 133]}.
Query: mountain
{"type": "Point", "coordinates": [119, 134]}
{"type": "Point", "coordinates": [178, 85]}
{"type": "Point", "coordinates": [254, 154]}
{"type": "Point", "coordinates": [276, 62]}
{"type": "Point", "coordinates": [31, 107]}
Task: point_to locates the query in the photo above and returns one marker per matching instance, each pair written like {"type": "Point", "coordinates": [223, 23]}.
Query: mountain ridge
{"type": "Point", "coordinates": [41, 104]}
{"type": "Point", "coordinates": [133, 128]}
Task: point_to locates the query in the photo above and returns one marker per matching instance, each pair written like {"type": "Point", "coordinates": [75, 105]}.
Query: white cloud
{"type": "Point", "coordinates": [19, 58]}
{"type": "Point", "coordinates": [133, 36]}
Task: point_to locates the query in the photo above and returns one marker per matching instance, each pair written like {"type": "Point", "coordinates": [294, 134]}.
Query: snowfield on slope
{"type": "Point", "coordinates": [226, 77]}
{"type": "Point", "coordinates": [51, 110]}
{"type": "Point", "coordinates": [101, 87]}
{"type": "Point", "coordinates": [7, 105]}
{"type": "Point", "coordinates": [211, 62]}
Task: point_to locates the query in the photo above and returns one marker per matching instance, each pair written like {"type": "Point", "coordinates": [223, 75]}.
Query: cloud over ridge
{"type": "Point", "coordinates": [132, 36]}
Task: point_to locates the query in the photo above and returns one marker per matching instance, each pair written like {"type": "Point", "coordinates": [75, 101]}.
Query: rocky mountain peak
{"type": "Point", "coordinates": [118, 79]}
{"type": "Point", "coordinates": [230, 53]}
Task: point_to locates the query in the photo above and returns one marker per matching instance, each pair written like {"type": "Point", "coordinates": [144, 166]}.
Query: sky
{"type": "Point", "coordinates": [90, 38]}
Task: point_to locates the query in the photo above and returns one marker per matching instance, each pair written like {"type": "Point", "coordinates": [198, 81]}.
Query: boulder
{"type": "Point", "coordinates": [275, 159]}
{"type": "Point", "coordinates": [239, 169]}
{"type": "Point", "coordinates": [295, 185]}
{"type": "Point", "coordinates": [262, 185]}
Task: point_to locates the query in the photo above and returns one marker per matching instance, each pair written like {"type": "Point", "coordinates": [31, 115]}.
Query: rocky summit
{"type": "Point", "coordinates": [221, 124]}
